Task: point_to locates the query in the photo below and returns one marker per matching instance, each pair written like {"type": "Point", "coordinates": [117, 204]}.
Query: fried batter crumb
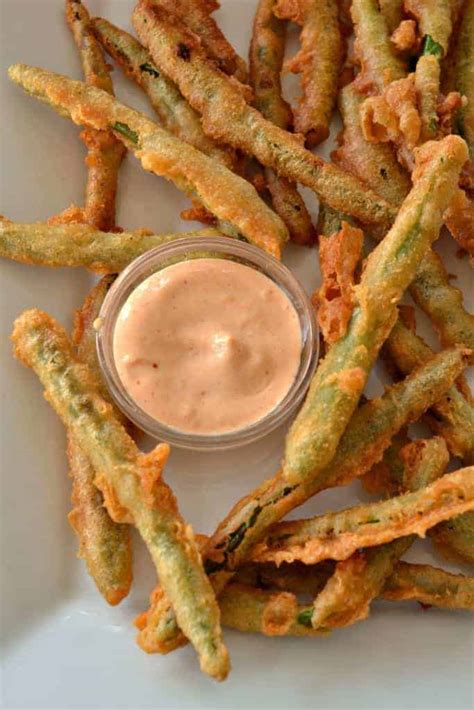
{"type": "Point", "coordinates": [339, 256]}
{"type": "Point", "coordinates": [405, 37]}
{"type": "Point", "coordinates": [279, 614]}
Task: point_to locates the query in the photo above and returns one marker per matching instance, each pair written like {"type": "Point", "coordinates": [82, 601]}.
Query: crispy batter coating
{"type": "Point", "coordinates": [296, 577]}
{"type": "Point", "coordinates": [267, 49]}
{"type": "Point", "coordinates": [424, 460]}
{"type": "Point", "coordinates": [313, 436]}
{"type": "Point", "coordinates": [319, 61]}
{"type": "Point", "coordinates": [455, 538]}
{"type": "Point", "coordinates": [434, 19]}
{"type": "Point", "coordinates": [355, 583]}
{"type": "Point", "coordinates": [212, 94]}
{"type": "Point", "coordinates": [368, 434]}
{"type": "Point", "coordinates": [448, 107]}
{"type": "Point", "coordinates": [393, 116]}
{"type": "Point", "coordinates": [442, 302]}
{"type": "Point", "coordinates": [339, 255]}
{"type": "Point", "coordinates": [379, 64]}
{"type": "Point", "coordinates": [427, 85]}
{"type": "Point", "coordinates": [338, 535]}
{"type": "Point", "coordinates": [464, 74]}
{"type": "Point", "coordinates": [386, 477]}
{"type": "Point", "coordinates": [243, 605]}
{"type": "Point", "coordinates": [453, 416]}
{"type": "Point", "coordinates": [347, 595]}
{"type": "Point", "coordinates": [84, 333]}
{"type": "Point", "coordinates": [174, 112]}
{"type": "Point", "coordinates": [430, 586]}
{"type": "Point", "coordinates": [71, 215]}
{"type": "Point", "coordinates": [391, 11]}
{"type": "Point", "coordinates": [75, 244]}
{"type": "Point", "coordinates": [230, 198]}
{"type": "Point", "coordinates": [104, 544]}
{"type": "Point", "coordinates": [404, 37]}
{"type": "Point", "coordinates": [104, 151]}
{"type": "Point", "coordinates": [40, 343]}
{"type": "Point", "coordinates": [195, 14]}
{"type": "Point", "coordinates": [459, 219]}
{"type": "Point", "coordinates": [375, 162]}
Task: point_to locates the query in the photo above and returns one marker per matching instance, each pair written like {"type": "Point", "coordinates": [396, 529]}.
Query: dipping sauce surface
{"type": "Point", "coordinates": [207, 346]}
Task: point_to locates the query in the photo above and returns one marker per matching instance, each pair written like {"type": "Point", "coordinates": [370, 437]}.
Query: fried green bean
{"type": "Point", "coordinates": [430, 586]}
{"type": "Point", "coordinates": [386, 477]}
{"type": "Point", "coordinates": [431, 289]}
{"type": "Point", "coordinates": [374, 162]}
{"type": "Point", "coordinates": [80, 245]}
{"type": "Point", "coordinates": [442, 302]}
{"type": "Point", "coordinates": [435, 24]}
{"type": "Point", "coordinates": [319, 61]}
{"type": "Point", "coordinates": [134, 479]}
{"type": "Point", "coordinates": [216, 97]}
{"type": "Point", "coordinates": [267, 49]}
{"type": "Point", "coordinates": [229, 197]}
{"type": "Point", "coordinates": [424, 461]}
{"type": "Point", "coordinates": [337, 536]}
{"type": "Point", "coordinates": [455, 538]}
{"type": "Point", "coordinates": [84, 334]}
{"type": "Point", "coordinates": [356, 581]}
{"type": "Point", "coordinates": [253, 610]}
{"type": "Point", "coordinates": [380, 65]}
{"type": "Point", "coordinates": [453, 416]}
{"type": "Point", "coordinates": [105, 151]}
{"type": "Point", "coordinates": [427, 80]}
{"type": "Point", "coordinates": [104, 544]}
{"type": "Point", "coordinates": [340, 378]}
{"type": "Point", "coordinates": [196, 16]}
{"type": "Point", "coordinates": [397, 472]}
{"type": "Point", "coordinates": [391, 11]}
{"type": "Point", "coordinates": [174, 112]}
{"type": "Point", "coordinates": [296, 577]}
{"type": "Point", "coordinates": [464, 74]}
{"type": "Point", "coordinates": [368, 434]}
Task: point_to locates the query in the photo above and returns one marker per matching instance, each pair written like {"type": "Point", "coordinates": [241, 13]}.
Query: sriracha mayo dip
{"type": "Point", "coordinates": [207, 346]}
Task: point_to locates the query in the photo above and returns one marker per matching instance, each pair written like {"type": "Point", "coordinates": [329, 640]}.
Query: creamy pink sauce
{"type": "Point", "coordinates": [207, 346]}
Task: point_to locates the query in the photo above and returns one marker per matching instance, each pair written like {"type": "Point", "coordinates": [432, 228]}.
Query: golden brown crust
{"type": "Point", "coordinates": [279, 613]}
{"type": "Point", "coordinates": [339, 255]}
{"type": "Point", "coordinates": [459, 219]}
{"type": "Point", "coordinates": [104, 157]}
{"type": "Point", "coordinates": [411, 513]}
{"type": "Point", "coordinates": [404, 37]}
{"type": "Point", "coordinates": [230, 198]}
{"type": "Point", "coordinates": [319, 61]}
{"type": "Point", "coordinates": [105, 152]}
{"type": "Point", "coordinates": [195, 14]}
{"type": "Point", "coordinates": [393, 116]}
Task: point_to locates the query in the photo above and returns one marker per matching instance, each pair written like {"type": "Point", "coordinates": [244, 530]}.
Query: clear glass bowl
{"type": "Point", "coordinates": [195, 248]}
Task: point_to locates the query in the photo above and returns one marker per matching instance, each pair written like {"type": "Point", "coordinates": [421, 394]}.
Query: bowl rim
{"type": "Point", "coordinates": [206, 247]}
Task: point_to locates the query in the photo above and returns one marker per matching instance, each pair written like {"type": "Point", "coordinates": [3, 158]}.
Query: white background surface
{"type": "Point", "coordinates": [62, 646]}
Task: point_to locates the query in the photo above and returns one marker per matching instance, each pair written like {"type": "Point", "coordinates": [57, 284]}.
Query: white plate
{"type": "Point", "coordinates": [63, 647]}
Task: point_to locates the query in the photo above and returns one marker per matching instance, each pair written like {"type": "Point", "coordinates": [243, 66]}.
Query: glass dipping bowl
{"type": "Point", "coordinates": [195, 248]}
